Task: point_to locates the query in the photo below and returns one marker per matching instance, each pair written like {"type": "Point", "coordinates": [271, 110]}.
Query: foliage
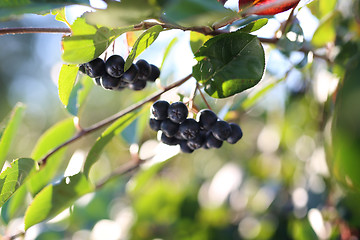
{"type": "Point", "coordinates": [294, 175]}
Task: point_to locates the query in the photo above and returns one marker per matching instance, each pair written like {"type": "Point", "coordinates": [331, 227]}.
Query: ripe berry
{"type": "Point", "coordinates": [206, 119]}
{"type": "Point", "coordinates": [169, 140]}
{"type": "Point", "coordinates": [95, 68]}
{"type": "Point", "coordinates": [178, 112]}
{"type": "Point", "coordinates": [144, 69]}
{"type": "Point", "coordinates": [236, 133]}
{"type": "Point", "coordinates": [197, 142]}
{"type": "Point", "coordinates": [169, 127]}
{"type": "Point", "coordinates": [109, 82]}
{"type": "Point", "coordinates": [160, 109]}
{"type": "Point", "coordinates": [137, 85]}
{"type": "Point", "coordinates": [221, 130]}
{"type": "Point", "coordinates": [115, 66]}
{"type": "Point", "coordinates": [154, 73]}
{"type": "Point", "coordinates": [155, 124]}
{"type": "Point", "coordinates": [189, 129]}
{"type": "Point", "coordinates": [122, 84]}
{"type": "Point", "coordinates": [184, 147]}
{"type": "Point", "coordinates": [212, 142]}
{"type": "Point", "coordinates": [131, 74]}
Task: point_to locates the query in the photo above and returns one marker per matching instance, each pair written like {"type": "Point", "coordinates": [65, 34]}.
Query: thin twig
{"type": "Point", "coordinates": [20, 234]}
{"type": "Point", "coordinates": [24, 30]}
{"type": "Point", "coordinates": [113, 118]}
{"type": "Point", "coordinates": [191, 99]}
{"type": "Point", "coordinates": [122, 170]}
{"type": "Point", "coordinates": [203, 97]}
{"type": "Point", "coordinates": [289, 20]}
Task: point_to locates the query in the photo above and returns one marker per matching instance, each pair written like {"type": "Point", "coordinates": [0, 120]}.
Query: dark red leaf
{"type": "Point", "coordinates": [267, 7]}
{"type": "Point", "coordinates": [222, 1]}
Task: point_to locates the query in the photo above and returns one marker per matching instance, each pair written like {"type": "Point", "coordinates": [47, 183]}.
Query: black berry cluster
{"type": "Point", "coordinates": [110, 74]}
{"type": "Point", "coordinates": [206, 132]}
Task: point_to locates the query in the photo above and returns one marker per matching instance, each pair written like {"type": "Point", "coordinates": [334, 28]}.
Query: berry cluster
{"type": "Point", "coordinates": [110, 74]}
{"type": "Point", "coordinates": [205, 132]}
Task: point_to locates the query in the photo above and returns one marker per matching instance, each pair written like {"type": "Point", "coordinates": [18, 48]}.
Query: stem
{"type": "Point", "coordinates": [203, 97]}
{"type": "Point", "coordinates": [24, 30]}
{"type": "Point", "coordinates": [146, 25]}
{"type": "Point", "coordinates": [122, 170]}
{"type": "Point", "coordinates": [20, 234]}
{"type": "Point", "coordinates": [113, 118]}
{"type": "Point", "coordinates": [289, 20]}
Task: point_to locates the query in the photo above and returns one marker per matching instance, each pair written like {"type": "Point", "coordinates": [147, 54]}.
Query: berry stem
{"type": "Point", "coordinates": [24, 30]}
{"type": "Point", "coordinates": [203, 97]}
{"type": "Point", "coordinates": [113, 118]}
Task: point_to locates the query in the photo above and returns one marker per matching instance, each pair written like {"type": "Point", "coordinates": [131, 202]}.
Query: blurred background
{"type": "Point", "coordinates": [276, 183]}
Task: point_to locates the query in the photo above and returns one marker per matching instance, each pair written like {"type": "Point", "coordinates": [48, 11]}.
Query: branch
{"type": "Point", "coordinates": [113, 118]}
{"type": "Point", "coordinates": [24, 30]}
{"type": "Point", "coordinates": [122, 170]}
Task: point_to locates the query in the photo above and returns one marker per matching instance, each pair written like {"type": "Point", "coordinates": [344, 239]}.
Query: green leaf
{"type": "Point", "coordinates": [116, 128]}
{"type": "Point", "coordinates": [60, 15]}
{"type": "Point", "coordinates": [14, 176]}
{"type": "Point", "coordinates": [8, 131]}
{"type": "Point", "coordinates": [143, 42]}
{"type": "Point", "coordinates": [52, 138]}
{"type": "Point", "coordinates": [79, 94]}
{"type": "Point", "coordinates": [326, 32]}
{"type": "Point", "coordinates": [143, 177]}
{"type": "Point", "coordinates": [67, 78]}
{"type": "Point", "coordinates": [229, 64]}
{"type": "Point", "coordinates": [321, 8]}
{"type": "Point", "coordinates": [18, 7]}
{"type": "Point", "coordinates": [345, 148]}
{"type": "Point", "coordinates": [167, 50]}
{"type": "Point", "coordinates": [197, 12]}
{"type": "Point", "coordinates": [17, 202]}
{"type": "Point", "coordinates": [197, 40]}
{"type": "Point", "coordinates": [53, 199]}
{"type": "Point", "coordinates": [87, 42]}
{"type": "Point", "coordinates": [254, 26]}
{"type": "Point", "coordinates": [251, 101]}
{"type": "Point", "coordinates": [292, 40]}
{"type": "Point", "coordinates": [124, 13]}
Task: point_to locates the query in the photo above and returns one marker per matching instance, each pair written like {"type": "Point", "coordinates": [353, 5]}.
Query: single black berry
{"type": "Point", "coordinates": [189, 129]}
{"type": "Point", "coordinates": [160, 109]}
{"type": "Point", "coordinates": [184, 147]}
{"type": "Point", "coordinates": [154, 73]}
{"type": "Point", "coordinates": [109, 82]}
{"type": "Point", "coordinates": [169, 127]}
{"type": "Point", "coordinates": [206, 119]}
{"type": "Point", "coordinates": [95, 68]}
{"type": "Point", "coordinates": [131, 74]}
{"type": "Point", "coordinates": [178, 112]}
{"type": "Point", "coordinates": [221, 130]}
{"type": "Point", "coordinates": [236, 133]}
{"type": "Point", "coordinates": [155, 124]}
{"type": "Point", "coordinates": [115, 66]}
{"type": "Point", "coordinates": [169, 140]}
{"type": "Point", "coordinates": [97, 81]}
{"type": "Point", "coordinates": [212, 142]}
{"type": "Point", "coordinates": [197, 142]}
{"type": "Point", "coordinates": [122, 84]}
{"type": "Point", "coordinates": [144, 69]}
{"type": "Point", "coordinates": [137, 85]}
